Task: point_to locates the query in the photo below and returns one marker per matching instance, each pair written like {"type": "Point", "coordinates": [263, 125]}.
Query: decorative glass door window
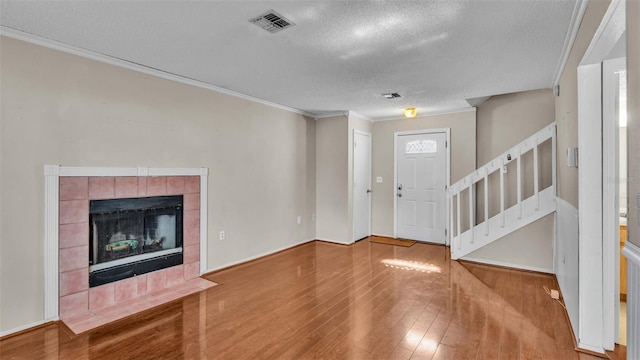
{"type": "Point", "coordinates": [421, 147]}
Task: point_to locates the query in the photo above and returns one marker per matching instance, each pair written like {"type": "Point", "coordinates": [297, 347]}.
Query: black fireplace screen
{"type": "Point", "coordinates": [133, 236]}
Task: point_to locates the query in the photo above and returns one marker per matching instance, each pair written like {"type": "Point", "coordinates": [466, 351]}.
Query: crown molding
{"type": "Point", "coordinates": [361, 116]}
{"type": "Point", "coordinates": [88, 54]}
{"type": "Point", "coordinates": [331, 114]}
{"type": "Point", "coordinates": [572, 32]}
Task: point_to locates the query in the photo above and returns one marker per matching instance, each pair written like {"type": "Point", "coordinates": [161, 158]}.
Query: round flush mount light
{"type": "Point", "coordinates": [410, 112]}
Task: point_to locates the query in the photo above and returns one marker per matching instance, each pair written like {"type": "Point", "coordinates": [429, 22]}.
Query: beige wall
{"type": "Point", "coordinates": [463, 158]}
{"type": "Point", "coordinates": [633, 112]}
{"type": "Point", "coordinates": [502, 122]}
{"type": "Point", "coordinates": [334, 167]}
{"type": "Point", "coordinates": [332, 190]}
{"type": "Point", "coordinates": [355, 123]}
{"type": "Point", "coordinates": [505, 120]}
{"type": "Point", "coordinates": [567, 102]}
{"type": "Point", "coordinates": [62, 109]}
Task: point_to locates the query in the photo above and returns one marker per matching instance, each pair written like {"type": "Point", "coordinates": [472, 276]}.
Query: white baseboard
{"type": "Point", "coordinates": [384, 235]}
{"type": "Point", "coordinates": [595, 349]}
{"type": "Point", "coordinates": [334, 241]}
{"type": "Point", "coordinates": [510, 265]}
{"type": "Point", "coordinates": [25, 327]}
{"type": "Point", "coordinates": [238, 262]}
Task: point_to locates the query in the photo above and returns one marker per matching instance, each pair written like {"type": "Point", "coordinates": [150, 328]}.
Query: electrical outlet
{"type": "Point", "coordinates": [299, 220]}
{"type": "Point", "coordinates": [221, 235]}
{"type": "Point", "coordinates": [313, 217]}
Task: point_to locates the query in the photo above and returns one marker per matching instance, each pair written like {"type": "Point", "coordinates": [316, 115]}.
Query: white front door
{"type": "Point", "coordinates": [361, 185]}
{"type": "Point", "coordinates": [421, 180]}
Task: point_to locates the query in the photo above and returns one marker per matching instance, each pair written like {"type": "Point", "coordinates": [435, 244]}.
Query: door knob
{"type": "Point", "coordinates": [399, 195]}
{"type": "Point", "coordinates": [399, 186]}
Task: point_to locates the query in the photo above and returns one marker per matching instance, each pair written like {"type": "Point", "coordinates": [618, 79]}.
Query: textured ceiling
{"type": "Point", "coordinates": [340, 55]}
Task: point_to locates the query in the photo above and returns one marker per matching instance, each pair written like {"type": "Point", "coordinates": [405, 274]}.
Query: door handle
{"type": "Point", "coordinates": [399, 195]}
{"type": "Point", "coordinates": [368, 191]}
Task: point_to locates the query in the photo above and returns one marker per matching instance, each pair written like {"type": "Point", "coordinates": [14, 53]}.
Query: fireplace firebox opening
{"type": "Point", "coordinates": [133, 236]}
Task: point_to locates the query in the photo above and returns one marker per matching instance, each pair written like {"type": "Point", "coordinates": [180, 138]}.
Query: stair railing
{"type": "Point", "coordinates": [524, 212]}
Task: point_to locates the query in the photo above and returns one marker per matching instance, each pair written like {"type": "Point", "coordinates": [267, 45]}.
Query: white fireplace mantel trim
{"type": "Point", "coordinates": [52, 175]}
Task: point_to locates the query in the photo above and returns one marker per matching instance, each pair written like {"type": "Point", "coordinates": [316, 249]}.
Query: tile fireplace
{"type": "Point", "coordinates": [120, 240]}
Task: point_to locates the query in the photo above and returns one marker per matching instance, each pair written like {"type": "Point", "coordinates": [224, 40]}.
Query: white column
{"type": "Point", "coordinates": [51, 225]}
{"type": "Point", "coordinates": [204, 176]}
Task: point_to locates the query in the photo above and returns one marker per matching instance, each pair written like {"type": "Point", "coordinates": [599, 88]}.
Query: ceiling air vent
{"type": "Point", "coordinates": [272, 21]}
{"type": "Point", "coordinates": [391, 95]}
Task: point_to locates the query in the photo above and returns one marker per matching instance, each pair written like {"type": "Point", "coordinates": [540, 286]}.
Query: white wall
{"type": "Point", "coordinates": [59, 108]}
{"type": "Point", "coordinates": [566, 259]}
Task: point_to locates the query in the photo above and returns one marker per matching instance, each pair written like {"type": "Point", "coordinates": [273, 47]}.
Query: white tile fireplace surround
{"type": "Point", "coordinates": [68, 192]}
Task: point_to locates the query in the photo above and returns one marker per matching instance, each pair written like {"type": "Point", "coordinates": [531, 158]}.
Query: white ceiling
{"type": "Point", "coordinates": [340, 55]}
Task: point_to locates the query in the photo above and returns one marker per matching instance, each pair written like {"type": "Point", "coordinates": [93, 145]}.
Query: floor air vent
{"type": "Point", "coordinates": [272, 21]}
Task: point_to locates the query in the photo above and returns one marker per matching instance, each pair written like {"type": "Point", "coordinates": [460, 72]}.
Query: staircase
{"type": "Point", "coordinates": [468, 233]}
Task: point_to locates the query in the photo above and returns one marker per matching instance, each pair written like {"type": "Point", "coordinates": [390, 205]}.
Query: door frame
{"type": "Point", "coordinates": [353, 171]}
{"type": "Point", "coordinates": [447, 181]}
{"type": "Point", "coordinates": [596, 280]}
{"type": "Point", "coordinates": [610, 200]}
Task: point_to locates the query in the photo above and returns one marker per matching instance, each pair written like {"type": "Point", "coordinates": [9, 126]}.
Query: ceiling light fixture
{"type": "Point", "coordinates": [410, 112]}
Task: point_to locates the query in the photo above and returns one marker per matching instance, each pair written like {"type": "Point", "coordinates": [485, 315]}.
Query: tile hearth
{"type": "Point", "coordinates": [94, 318]}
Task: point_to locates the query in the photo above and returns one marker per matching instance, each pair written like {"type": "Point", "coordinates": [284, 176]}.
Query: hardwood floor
{"type": "Point", "coordinates": [324, 301]}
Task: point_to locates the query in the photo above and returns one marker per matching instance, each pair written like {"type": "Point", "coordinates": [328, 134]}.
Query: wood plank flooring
{"type": "Point", "coordinates": [325, 301]}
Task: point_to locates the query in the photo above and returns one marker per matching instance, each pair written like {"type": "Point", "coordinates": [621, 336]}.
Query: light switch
{"type": "Point", "coordinates": [637, 209]}
{"type": "Point", "coordinates": [572, 157]}
{"type": "Point", "coordinates": [379, 179]}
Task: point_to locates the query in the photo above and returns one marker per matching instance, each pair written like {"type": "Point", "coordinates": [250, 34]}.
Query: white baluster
{"type": "Point", "coordinates": [519, 185]}
{"type": "Point", "coordinates": [486, 202]}
{"type": "Point", "coordinates": [502, 194]}
{"type": "Point", "coordinates": [535, 174]}
{"type": "Point", "coordinates": [458, 213]}
{"type": "Point", "coordinates": [472, 210]}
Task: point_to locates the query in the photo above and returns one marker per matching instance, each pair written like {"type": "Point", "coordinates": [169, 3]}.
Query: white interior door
{"type": "Point", "coordinates": [421, 194]}
{"type": "Point", "coordinates": [361, 185]}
